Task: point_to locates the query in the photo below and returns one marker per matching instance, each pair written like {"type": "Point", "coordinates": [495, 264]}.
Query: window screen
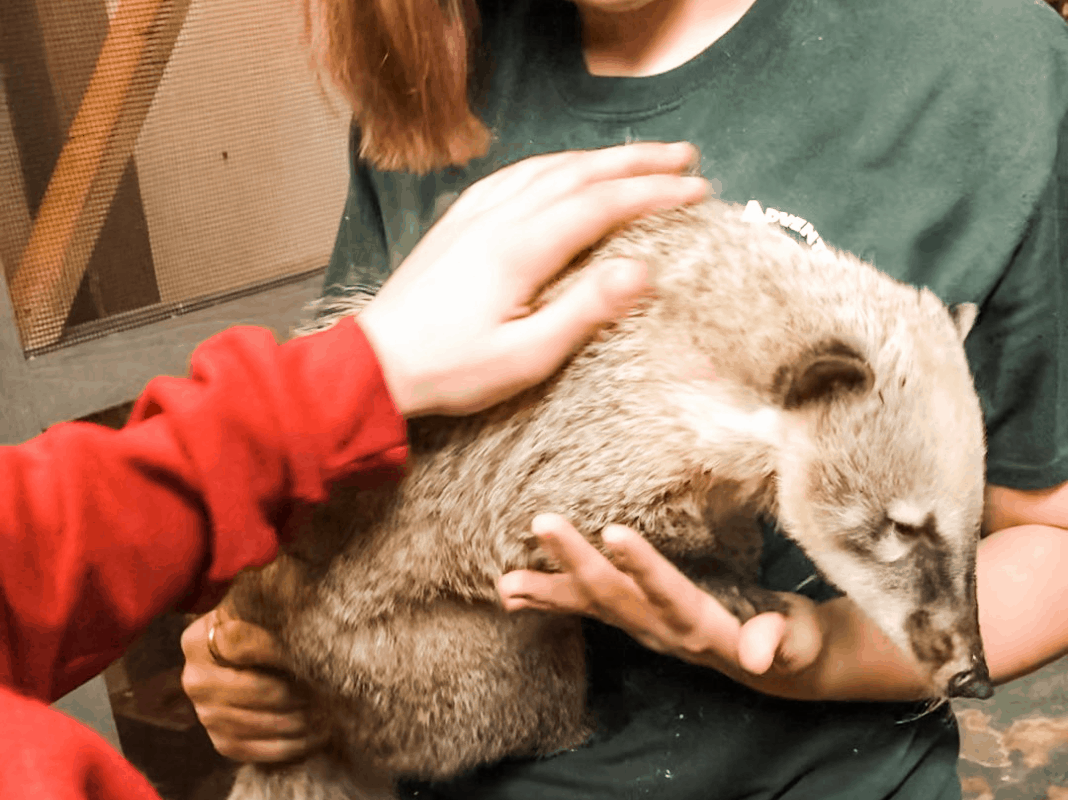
{"type": "Point", "coordinates": [157, 156]}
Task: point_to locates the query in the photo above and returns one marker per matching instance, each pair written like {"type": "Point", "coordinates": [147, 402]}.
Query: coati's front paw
{"type": "Point", "coordinates": [754, 600]}
{"type": "Point", "coordinates": [743, 598]}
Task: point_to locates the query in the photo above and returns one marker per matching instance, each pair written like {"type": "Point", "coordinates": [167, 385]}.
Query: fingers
{"type": "Point", "coordinates": [251, 711]}
{"type": "Point", "coordinates": [594, 587]}
{"type": "Point", "coordinates": [638, 158]}
{"type": "Point", "coordinates": [758, 642]}
{"type": "Point", "coordinates": [568, 547]}
{"type": "Point", "coordinates": [591, 585]}
{"type": "Point", "coordinates": [588, 584]}
{"type": "Point", "coordinates": [605, 205]}
{"type": "Point", "coordinates": [262, 751]}
{"type": "Point", "coordinates": [582, 170]}
{"type": "Point", "coordinates": [781, 644]}
{"type": "Point", "coordinates": [546, 178]}
{"type": "Point", "coordinates": [642, 593]}
{"type": "Point", "coordinates": [499, 244]}
{"type": "Point", "coordinates": [568, 226]}
{"type": "Point", "coordinates": [232, 724]}
{"type": "Point", "coordinates": [539, 590]}
{"type": "Point", "coordinates": [662, 583]}
{"type": "Point", "coordinates": [600, 295]}
{"type": "Point", "coordinates": [238, 643]}
{"type": "Point", "coordinates": [250, 689]}
{"type": "Point", "coordinates": [247, 645]}
{"type": "Point", "coordinates": [802, 636]}
{"type": "Point", "coordinates": [258, 736]}
{"type": "Point", "coordinates": [698, 625]}
{"type": "Point", "coordinates": [205, 680]}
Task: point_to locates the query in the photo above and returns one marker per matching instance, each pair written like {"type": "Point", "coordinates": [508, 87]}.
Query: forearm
{"type": "Point", "coordinates": [100, 530]}
{"type": "Point", "coordinates": [1023, 599]}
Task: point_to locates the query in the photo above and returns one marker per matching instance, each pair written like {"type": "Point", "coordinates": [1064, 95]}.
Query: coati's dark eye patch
{"type": "Point", "coordinates": [889, 540]}
{"type": "Point", "coordinates": [871, 539]}
{"type": "Point", "coordinates": [926, 531]}
{"type": "Point", "coordinates": [907, 531]}
{"type": "Point", "coordinates": [875, 541]}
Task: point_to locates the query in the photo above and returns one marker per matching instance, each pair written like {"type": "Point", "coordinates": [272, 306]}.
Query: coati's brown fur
{"type": "Point", "coordinates": [761, 377]}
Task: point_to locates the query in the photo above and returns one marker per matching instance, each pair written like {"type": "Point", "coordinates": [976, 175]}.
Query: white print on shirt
{"type": "Point", "coordinates": [802, 227]}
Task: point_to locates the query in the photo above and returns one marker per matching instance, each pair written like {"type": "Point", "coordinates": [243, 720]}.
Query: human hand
{"type": "Point", "coordinates": [452, 327]}
{"type": "Point", "coordinates": [644, 594]}
{"type": "Point", "coordinates": [252, 711]}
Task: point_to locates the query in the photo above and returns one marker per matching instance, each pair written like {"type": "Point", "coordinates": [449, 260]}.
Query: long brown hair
{"type": "Point", "coordinates": [404, 66]}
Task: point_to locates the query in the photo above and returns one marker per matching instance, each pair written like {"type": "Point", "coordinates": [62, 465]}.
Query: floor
{"type": "Point", "coordinates": [1015, 745]}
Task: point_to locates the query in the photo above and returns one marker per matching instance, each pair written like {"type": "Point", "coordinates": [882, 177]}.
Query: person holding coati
{"type": "Point", "coordinates": [926, 137]}
{"type": "Point", "coordinates": [101, 530]}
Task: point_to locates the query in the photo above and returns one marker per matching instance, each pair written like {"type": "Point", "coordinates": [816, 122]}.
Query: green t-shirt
{"type": "Point", "coordinates": [924, 136]}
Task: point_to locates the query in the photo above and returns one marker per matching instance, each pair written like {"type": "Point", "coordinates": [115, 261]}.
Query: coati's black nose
{"type": "Point", "coordinates": [971, 683]}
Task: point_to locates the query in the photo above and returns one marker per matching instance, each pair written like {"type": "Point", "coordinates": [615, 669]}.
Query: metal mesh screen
{"type": "Point", "coordinates": [155, 155]}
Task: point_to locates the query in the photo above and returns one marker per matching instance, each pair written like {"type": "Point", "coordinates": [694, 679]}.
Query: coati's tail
{"type": "Point", "coordinates": [321, 777]}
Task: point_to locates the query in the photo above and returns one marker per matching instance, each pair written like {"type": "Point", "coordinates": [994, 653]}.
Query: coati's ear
{"type": "Point", "coordinates": [963, 315]}
{"type": "Point", "coordinates": [828, 369]}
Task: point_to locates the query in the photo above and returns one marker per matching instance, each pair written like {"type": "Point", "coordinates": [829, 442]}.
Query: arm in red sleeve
{"type": "Point", "coordinates": [101, 530]}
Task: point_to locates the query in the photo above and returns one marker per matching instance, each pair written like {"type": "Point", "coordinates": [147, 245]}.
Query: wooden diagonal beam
{"type": "Point", "coordinates": [101, 140]}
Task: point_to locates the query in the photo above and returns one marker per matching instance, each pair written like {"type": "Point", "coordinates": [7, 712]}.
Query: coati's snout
{"type": "Point", "coordinates": [954, 654]}
{"type": "Point", "coordinates": [917, 583]}
{"type": "Point", "coordinates": [943, 633]}
{"type": "Point", "coordinates": [881, 481]}
{"type": "Point", "coordinates": [972, 683]}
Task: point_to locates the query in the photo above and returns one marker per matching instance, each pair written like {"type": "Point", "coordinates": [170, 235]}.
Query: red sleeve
{"type": "Point", "coordinates": [49, 756]}
{"type": "Point", "coordinates": [101, 530]}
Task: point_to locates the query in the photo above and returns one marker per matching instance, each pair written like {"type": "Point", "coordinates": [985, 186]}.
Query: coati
{"type": "Point", "coordinates": [760, 377]}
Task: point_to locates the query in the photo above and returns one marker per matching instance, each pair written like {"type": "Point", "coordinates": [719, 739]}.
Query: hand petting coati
{"type": "Point", "coordinates": [761, 377]}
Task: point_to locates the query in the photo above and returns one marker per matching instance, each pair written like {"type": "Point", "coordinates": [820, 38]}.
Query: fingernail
{"type": "Point", "coordinates": [543, 525]}
{"type": "Point", "coordinates": [614, 538]}
{"type": "Point", "coordinates": [622, 280]}
{"type": "Point", "coordinates": [508, 584]}
{"type": "Point", "coordinates": [693, 156]}
{"type": "Point", "coordinates": [695, 183]}
{"type": "Point", "coordinates": [539, 523]}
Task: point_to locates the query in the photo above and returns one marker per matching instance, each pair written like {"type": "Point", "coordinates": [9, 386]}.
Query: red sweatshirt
{"type": "Point", "coordinates": [101, 530]}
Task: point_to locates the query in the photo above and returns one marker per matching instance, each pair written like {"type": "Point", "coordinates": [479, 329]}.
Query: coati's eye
{"type": "Point", "coordinates": [926, 529]}
{"type": "Point", "coordinates": [887, 539]}
{"type": "Point", "coordinates": [890, 545]}
{"type": "Point", "coordinates": [895, 539]}
{"type": "Point", "coordinates": [912, 521]}
{"type": "Point", "coordinates": [905, 531]}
